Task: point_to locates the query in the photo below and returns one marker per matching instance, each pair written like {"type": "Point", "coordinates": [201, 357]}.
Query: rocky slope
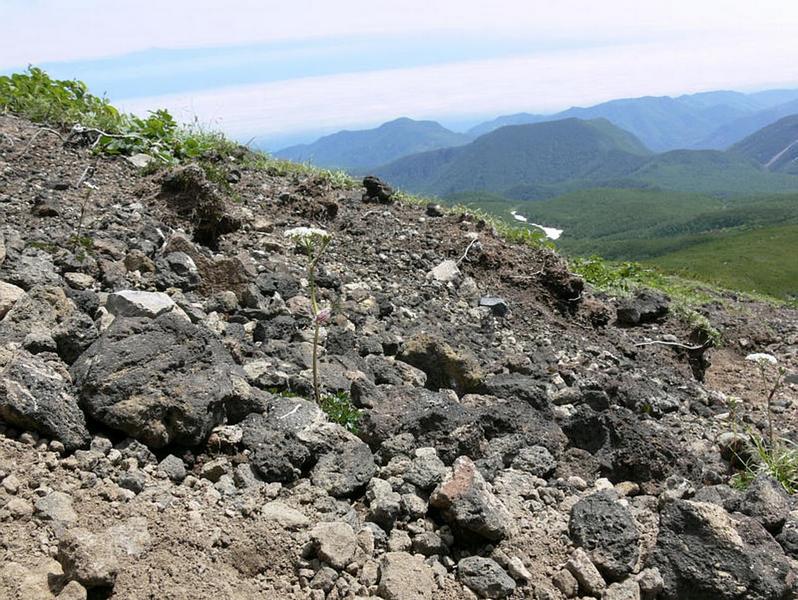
{"type": "Point", "coordinates": [520, 436]}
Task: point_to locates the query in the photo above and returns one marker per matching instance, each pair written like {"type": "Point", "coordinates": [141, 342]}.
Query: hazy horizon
{"type": "Point", "coordinates": [293, 73]}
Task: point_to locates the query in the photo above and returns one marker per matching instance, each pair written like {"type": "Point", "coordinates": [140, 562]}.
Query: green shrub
{"type": "Point", "coordinates": [339, 409]}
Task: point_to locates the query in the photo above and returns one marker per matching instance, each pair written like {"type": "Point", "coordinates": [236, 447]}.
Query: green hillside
{"type": "Point", "coordinates": [541, 154]}
{"type": "Point", "coordinates": [762, 260]}
{"type": "Point", "coordinates": [364, 149]}
{"type": "Point", "coordinates": [711, 172]}
{"type": "Point", "coordinates": [775, 147]}
{"type": "Point", "coordinates": [544, 160]}
{"type": "Point", "coordinates": [704, 235]}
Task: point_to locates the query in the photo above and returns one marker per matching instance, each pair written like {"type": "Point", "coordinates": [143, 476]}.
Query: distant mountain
{"type": "Point", "coordinates": [545, 154]}
{"type": "Point", "coordinates": [541, 160]}
{"type": "Point", "coordinates": [516, 119]}
{"type": "Point", "coordinates": [364, 149]}
{"type": "Point", "coordinates": [707, 120]}
{"type": "Point", "coordinates": [775, 147]}
{"type": "Point", "coordinates": [738, 129]}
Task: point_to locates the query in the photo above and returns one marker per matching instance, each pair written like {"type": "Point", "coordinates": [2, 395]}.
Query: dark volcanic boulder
{"type": "Point", "coordinates": [646, 306]}
{"type": "Point", "coordinates": [607, 531]}
{"type": "Point", "coordinates": [767, 502]}
{"type": "Point", "coordinates": [35, 395]}
{"type": "Point", "coordinates": [485, 577]}
{"type": "Point", "coordinates": [162, 381]}
{"type": "Point", "coordinates": [704, 553]}
{"type": "Point", "coordinates": [458, 428]}
{"type": "Point", "coordinates": [515, 385]}
{"type": "Point", "coordinates": [277, 454]}
{"type": "Point", "coordinates": [627, 446]}
{"type": "Point", "coordinates": [445, 367]}
{"type": "Point", "coordinates": [377, 190]}
{"type": "Point", "coordinates": [345, 470]}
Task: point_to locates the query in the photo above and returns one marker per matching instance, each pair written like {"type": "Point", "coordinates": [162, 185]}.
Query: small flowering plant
{"type": "Point", "coordinates": [313, 242]}
{"type": "Point", "coordinates": [763, 360]}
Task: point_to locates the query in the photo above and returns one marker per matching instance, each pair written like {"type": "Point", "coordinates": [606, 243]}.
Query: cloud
{"type": "Point", "coordinates": [48, 30]}
{"type": "Point", "coordinates": [544, 82]}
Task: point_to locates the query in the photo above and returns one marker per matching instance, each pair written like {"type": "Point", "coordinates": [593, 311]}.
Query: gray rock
{"type": "Point", "coordinates": [377, 191]}
{"type": "Point", "coordinates": [646, 306]}
{"type": "Point", "coordinates": [606, 529]}
{"type": "Point", "coordinates": [399, 541]}
{"type": "Point", "coordinates": [429, 544]}
{"type": "Point", "coordinates": [88, 559]}
{"type": "Point", "coordinates": [284, 515]}
{"type": "Point", "coordinates": [73, 335]}
{"type": "Point", "coordinates": [385, 505]}
{"type": "Point", "coordinates": [39, 311]}
{"type": "Point", "coordinates": [162, 381]}
{"type": "Point", "coordinates": [32, 268]}
{"type": "Point", "coordinates": [133, 481]}
{"type": "Point", "coordinates": [566, 583]}
{"type": "Point", "coordinates": [39, 342]}
{"type": "Point", "coordinates": [276, 454]}
{"type": "Point", "coordinates": [445, 367]}
{"type": "Point", "coordinates": [324, 579]}
{"type": "Point", "coordinates": [9, 294]}
{"type": "Point", "coordinates": [702, 552]}
{"type": "Point", "coordinates": [405, 577]}
{"type": "Point", "coordinates": [131, 448]}
{"type": "Point", "coordinates": [766, 501]}
{"type": "Point", "coordinates": [650, 583]}
{"type": "Point", "coordinates": [135, 303]}
{"type": "Point", "coordinates": [498, 306]}
{"type": "Point", "coordinates": [335, 543]}
{"type": "Point", "coordinates": [625, 590]}
{"type": "Point", "coordinates": [536, 460]}
{"type": "Point", "coordinates": [468, 504]}
{"type": "Point", "coordinates": [56, 506]}
{"type": "Point", "coordinates": [345, 471]}
{"type": "Point", "coordinates": [788, 538]}
{"type": "Point", "coordinates": [426, 470]}
{"type": "Point", "coordinates": [485, 577]}
{"type": "Point", "coordinates": [590, 580]}
{"type": "Point", "coordinates": [245, 477]}
{"type": "Point", "coordinates": [35, 396]}
{"type": "Point", "coordinates": [173, 468]}
{"type": "Point", "coordinates": [95, 559]}
{"type": "Point", "coordinates": [445, 272]}
{"type": "Point", "coordinates": [214, 469]}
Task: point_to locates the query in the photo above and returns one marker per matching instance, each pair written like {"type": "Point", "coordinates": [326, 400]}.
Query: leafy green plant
{"type": "Point", "coordinates": [58, 103]}
{"type": "Point", "coordinates": [779, 461]}
{"type": "Point", "coordinates": [339, 409]}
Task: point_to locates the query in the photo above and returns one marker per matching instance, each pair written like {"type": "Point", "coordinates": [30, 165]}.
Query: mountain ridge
{"type": "Point", "coordinates": [366, 148]}
{"type": "Point", "coordinates": [546, 159]}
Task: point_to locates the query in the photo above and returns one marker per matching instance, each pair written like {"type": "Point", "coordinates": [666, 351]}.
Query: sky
{"type": "Point", "coordinates": [282, 72]}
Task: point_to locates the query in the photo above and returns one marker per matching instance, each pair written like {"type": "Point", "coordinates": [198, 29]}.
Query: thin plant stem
{"type": "Point", "coordinates": [314, 309]}
{"type": "Point", "coordinates": [316, 391]}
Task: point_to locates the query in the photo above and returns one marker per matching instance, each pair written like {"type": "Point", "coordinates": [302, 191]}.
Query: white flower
{"type": "Point", "coordinates": [762, 358]}
{"type": "Point", "coordinates": [301, 234]}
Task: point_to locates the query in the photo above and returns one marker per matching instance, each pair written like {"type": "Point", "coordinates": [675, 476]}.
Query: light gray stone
{"type": "Point", "coordinates": [135, 303]}
{"type": "Point", "coordinates": [9, 294]}
{"type": "Point", "coordinates": [284, 515]}
{"type": "Point", "coordinates": [405, 577]}
{"type": "Point", "coordinates": [335, 543]}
